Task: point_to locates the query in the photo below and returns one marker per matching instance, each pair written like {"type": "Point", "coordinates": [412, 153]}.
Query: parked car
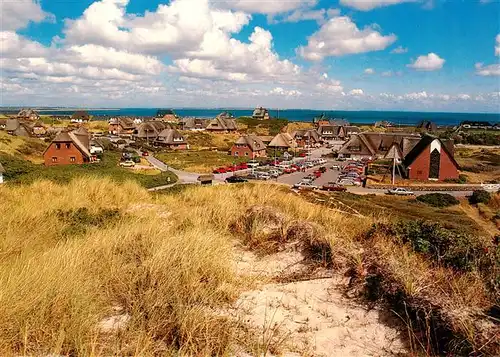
{"type": "Point", "coordinates": [399, 191]}
{"type": "Point", "coordinates": [305, 186]}
{"type": "Point", "coordinates": [322, 169]}
{"type": "Point", "coordinates": [274, 173]}
{"type": "Point", "coordinates": [220, 170]}
{"type": "Point", "coordinates": [145, 153]}
{"type": "Point", "coordinates": [336, 167]}
{"type": "Point", "coordinates": [263, 175]}
{"type": "Point", "coordinates": [349, 182]}
{"type": "Point", "coordinates": [253, 163]}
{"type": "Point", "coordinates": [332, 186]}
{"type": "Point", "coordinates": [235, 179]}
{"type": "Point", "coordinates": [242, 166]}
{"type": "Point", "coordinates": [128, 163]}
{"type": "Point", "coordinates": [317, 173]}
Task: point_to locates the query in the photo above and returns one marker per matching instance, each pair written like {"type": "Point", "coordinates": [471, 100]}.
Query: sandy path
{"type": "Point", "coordinates": [310, 317]}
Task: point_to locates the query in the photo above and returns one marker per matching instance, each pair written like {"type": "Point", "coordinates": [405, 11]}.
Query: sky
{"type": "Point", "coordinates": [421, 55]}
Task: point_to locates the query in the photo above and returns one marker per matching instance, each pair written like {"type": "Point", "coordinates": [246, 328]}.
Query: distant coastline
{"type": "Point", "coordinates": [300, 115]}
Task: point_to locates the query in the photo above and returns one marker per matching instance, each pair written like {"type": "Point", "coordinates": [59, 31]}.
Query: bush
{"type": "Point", "coordinates": [480, 196]}
{"type": "Point", "coordinates": [461, 179]}
{"type": "Point", "coordinates": [438, 199]}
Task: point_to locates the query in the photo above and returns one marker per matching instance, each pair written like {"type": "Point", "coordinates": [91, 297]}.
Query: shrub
{"type": "Point", "coordinates": [480, 196]}
{"type": "Point", "coordinates": [438, 199]}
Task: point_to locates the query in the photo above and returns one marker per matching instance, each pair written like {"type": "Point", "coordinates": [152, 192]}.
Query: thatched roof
{"type": "Point", "coordinates": [283, 140]}
{"type": "Point", "coordinates": [222, 124]}
{"type": "Point", "coordinates": [170, 136]}
{"type": "Point", "coordinates": [252, 141]}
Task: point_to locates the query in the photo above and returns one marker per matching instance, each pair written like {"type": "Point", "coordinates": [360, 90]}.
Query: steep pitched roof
{"type": "Point", "coordinates": [252, 141]}
{"type": "Point", "coordinates": [310, 134]}
{"type": "Point", "coordinates": [66, 137]}
{"type": "Point", "coordinates": [168, 135]}
{"type": "Point", "coordinates": [283, 140]}
{"type": "Point", "coordinates": [222, 124]}
{"type": "Point", "coordinates": [424, 142]}
{"type": "Point", "coordinates": [194, 123]}
{"type": "Point", "coordinates": [80, 114]}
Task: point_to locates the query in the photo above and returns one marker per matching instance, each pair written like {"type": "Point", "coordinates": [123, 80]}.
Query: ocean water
{"type": "Point", "coordinates": [355, 117]}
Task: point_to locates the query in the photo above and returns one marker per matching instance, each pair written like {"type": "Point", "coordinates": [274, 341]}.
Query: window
{"type": "Point", "coordinates": [236, 153]}
{"type": "Point", "coordinates": [72, 159]}
{"type": "Point", "coordinates": [246, 154]}
{"type": "Point", "coordinates": [54, 159]}
{"type": "Point", "coordinates": [68, 145]}
{"type": "Point", "coordinates": [58, 146]}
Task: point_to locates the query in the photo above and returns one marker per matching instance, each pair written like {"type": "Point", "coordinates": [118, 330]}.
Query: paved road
{"type": "Point", "coordinates": [184, 177]}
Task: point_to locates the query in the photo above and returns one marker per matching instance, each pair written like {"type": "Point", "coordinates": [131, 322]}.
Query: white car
{"type": "Point", "coordinates": [399, 191]}
{"type": "Point", "coordinates": [349, 182]}
{"type": "Point", "coordinates": [305, 186]}
{"type": "Point", "coordinates": [128, 163]}
{"type": "Point", "coordinates": [336, 167]}
{"type": "Point", "coordinates": [253, 163]}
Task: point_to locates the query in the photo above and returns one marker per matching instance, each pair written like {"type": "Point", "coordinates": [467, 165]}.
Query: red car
{"type": "Point", "coordinates": [302, 154]}
{"type": "Point", "coordinates": [275, 163]}
{"type": "Point", "coordinates": [289, 170]}
{"type": "Point", "coordinates": [231, 168]}
{"type": "Point", "coordinates": [332, 186]}
{"type": "Point", "coordinates": [220, 170]}
{"type": "Point", "coordinates": [145, 153]}
{"type": "Point", "coordinates": [297, 168]}
{"type": "Point", "coordinates": [242, 166]}
{"type": "Point", "coordinates": [317, 173]}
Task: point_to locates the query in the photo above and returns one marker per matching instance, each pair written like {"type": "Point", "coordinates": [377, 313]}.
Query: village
{"type": "Point", "coordinates": [325, 153]}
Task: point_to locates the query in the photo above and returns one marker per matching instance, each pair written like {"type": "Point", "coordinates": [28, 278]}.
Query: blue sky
{"type": "Point", "coordinates": [431, 55]}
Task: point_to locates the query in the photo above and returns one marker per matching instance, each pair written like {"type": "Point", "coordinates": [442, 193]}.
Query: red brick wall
{"type": "Point", "coordinates": [447, 170]}
{"type": "Point", "coordinates": [63, 155]}
{"type": "Point", "coordinates": [241, 150]}
{"type": "Point", "coordinates": [419, 169]}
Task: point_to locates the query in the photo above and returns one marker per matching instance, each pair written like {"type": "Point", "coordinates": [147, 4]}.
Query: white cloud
{"type": "Point", "coordinates": [340, 36]}
{"type": "Point", "coordinates": [369, 71]}
{"type": "Point", "coordinates": [16, 14]}
{"type": "Point", "coordinates": [430, 62]}
{"type": "Point", "coordinates": [491, 70]}
{"type": "Point", "coordinates": [283, 92]}
{"type": "Point", "coordinates": [356, 92]}
{"type": "Point", "coordinates": [265, 7]}
{"type": "Point", "coordinates": [320, 16]}
{"type": "Point", "coordinates": [13, 45]}
{"type": "Point", "coordinates": [366, 5]}
{"type": "Point", "coordinates": [399, 50]}
{"type": "Point", "coordinates": [497, 46]}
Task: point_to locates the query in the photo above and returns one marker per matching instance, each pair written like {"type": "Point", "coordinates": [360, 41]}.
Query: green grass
{"type": "Point", "coordinates": [198, 161]}
{"type": "Point", "coordinates": [19, 171]}
{"type": "Point", "coordinates": [273, 126]}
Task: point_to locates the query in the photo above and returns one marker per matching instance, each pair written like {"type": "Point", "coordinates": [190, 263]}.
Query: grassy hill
{"type": "Point", "coordinates": [76, 257]}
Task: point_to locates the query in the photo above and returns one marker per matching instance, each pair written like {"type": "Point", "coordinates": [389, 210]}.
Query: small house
{"type": "Point", "coordinates": [150, 130]}
{"type": "Point", "coordinates": [2, 171]}
{"type": "Point", "coordinates": [167, 115]}
{"type": "Point", "coordinates": [306, 138]}
{"type": "Point", "coordinates": [283, 142]}
{"type": "Point", "coordinates": [28, 114]}
{"type": "Point", "coordinates": [171, 139]}
{"type": "Point", "coordinates": [68, 148]}
{"type": "Point", "coordinates": [249, 146]}
{"type": "Point", "coordinates": [225, 115]}
{"type": "Point", "coordinates": [426, 125]}
{"type": "Point", "coordinates": [431, 159]}
{"type": "Point", "coordinates": [376, 145]}
{"type": "Point", "coordinates": [80, 116]}
{"type": "Point", "coordinates": [331, 132]}
{"type": "Point", "coordinates": [18, 128]}
{"type": "Point", "coordinates": [261, 114]}
{"type": "Point", "coordinates": [220, 125]}
{"type": "Point", "coordinates": [38, 129]}
{"type": "Point", "coordinates": [121, 126]}
{"type": "Point", "coordinates": [194, 124]}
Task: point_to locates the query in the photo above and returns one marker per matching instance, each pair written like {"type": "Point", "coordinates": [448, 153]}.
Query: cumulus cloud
{"type": "Point", "coordinates": [16, 14]}
{"type": "Point", "coordinates": [265, 7]}
{"type": "Point", "coordinates": [369, 71]}
{"type": "Point", "coordinates": [399, 50]}
{"type": "Point", "coordinates": [430, 62]}
{"type": "Point", "coordinates": [13, 45]}
{"type": "Point", "coordinates": [340, 36]}
{"type": "Point", "coordinates": [366, 5]}
{"type": "Point", "coordinates": [356, 92]}
{"type": "Point", "coordinates": [491, 70]}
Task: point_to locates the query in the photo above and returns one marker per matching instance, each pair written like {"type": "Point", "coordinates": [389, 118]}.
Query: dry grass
{"type": "Point", "coordinates": [164, 261]}
{"type": "Point", "coordinates": [27, 148]}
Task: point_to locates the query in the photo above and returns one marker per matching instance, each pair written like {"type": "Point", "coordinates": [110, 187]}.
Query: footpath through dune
{"type": "Point", "coordinates": [308, 315]}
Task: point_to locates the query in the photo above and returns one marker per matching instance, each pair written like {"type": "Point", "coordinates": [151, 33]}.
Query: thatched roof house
{"type": "Point", "coordinates": [222, 125]}
{"type": "Point", "coordinates": [283, 141]}
{"type": "Point", "coordinates": [150, 130]}
{"type": "Point", "coordinates": [172, 139]}
{"type": "Point", "coordinates": [261, 114]}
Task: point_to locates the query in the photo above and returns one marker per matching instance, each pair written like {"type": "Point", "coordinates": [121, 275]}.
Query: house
{"type": "Point", "coordinates": [431, 159]}
{"type": "Point", "coordinates": [426, 125]}
{"type": "Point", "coordinates": [331, 132]}
{"type": "Point", "coordinates": [28, 114]}
{"type": "Point", "coordinates": [376, 145]}
{"type": "Point", "coordinates": [249, 146]}
{"type": "Point", "coordinates": [3, 122]}
{"type": "Point", "coordinates": [96, 147]}
{"type": "Point", "coordinates": [150, 130]}
{"type": "Point", "coordinates": [80, 116]}
{"type": "Point", "coordinates": [137, 121]}
{"type": "Point", "coordinates": [38, 129]}
{"type": "Point", "coordinates": [222, 125]}
{"type": "Point", "coordinates": [68, 148]}
{"type": "Point", "coordinates": [225, 115]}
{"type": "Point", "coordinates": [121, 126]}
{"type": "Point", "coordinates": [350, 130]}
{"type": "Point", "coordinates": [266, 139]}
{"type": "Point", "coordinates": [171, 139]}
{"type": "Point", "coordinates": [283, 141]}
{"type": "Point", "coordinates": [18, 128]}
{"type": "Point", "coordinates": [261, 114]}
{"type": "Point", "coordinates": [307, 137]}
{"type": "Point", "coordinates": [167, 115]}
{"type": "Point", "coordinates": [194, 124]}
{"type": "Point", "coordinates": [2, 171]}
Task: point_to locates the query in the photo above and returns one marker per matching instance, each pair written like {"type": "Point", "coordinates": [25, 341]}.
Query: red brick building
{"type": "Point", "coordinates": [68, 148]}
{"type": "Point", "coordinates": [249, 146]}
{"type": "Point", "coordinates": [431, 159]}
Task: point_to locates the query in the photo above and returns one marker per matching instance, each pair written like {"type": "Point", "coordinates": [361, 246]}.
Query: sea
{"type": "Point", "coordinates": [301, 115]}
